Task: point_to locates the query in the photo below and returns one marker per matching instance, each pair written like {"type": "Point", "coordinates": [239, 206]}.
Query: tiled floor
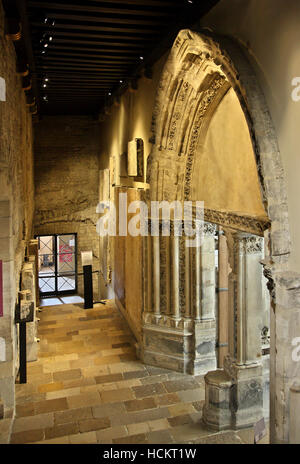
{"type": "Point", "coordinates": [88, 387]}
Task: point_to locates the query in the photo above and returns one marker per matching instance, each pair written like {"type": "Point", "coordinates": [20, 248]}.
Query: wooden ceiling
{"type": "Point", "coordinates": [86, 52]}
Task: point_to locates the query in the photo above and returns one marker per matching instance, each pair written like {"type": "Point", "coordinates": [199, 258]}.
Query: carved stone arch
{"type": "Point", "coordinates": [198, 73]}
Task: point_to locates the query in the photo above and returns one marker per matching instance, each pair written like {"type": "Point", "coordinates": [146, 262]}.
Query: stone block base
{"type": "Point", "coordinates": [233, 400]}
{"type": "Point", "coordinates": [182, 345]}
{"type": "Point", "coordinates": [216, 410]}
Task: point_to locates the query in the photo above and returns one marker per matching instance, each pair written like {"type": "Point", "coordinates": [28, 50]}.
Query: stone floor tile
{"type": "Point", "coordinates": [149, 390]}
{"type": "Point", "coordinates": [189, 432]}
{"type": "Point", "coordinates": [128, 383]}
{"type": "Point", "coordinates": [108, 410]}
{"type": "Point", "coordinates": [180, 384]}
{"type": "Point", "coordinates": [158, 424]}
{"type": "Point", "coordinates": [72, 415]}
{"type": "Point", "coordinates": [135, 429]}
{"type": "Point", "coordinates": [139, 405]}
{"type": "Point", "coordinates": [180, 420]}
{"type": "Point", "coordinates": [117, 395]}
{"type": "Point", "coordinates": [50, 387]}
{"type": "Point", "coordinates": [161, 437]}
{"type": "Point", "coordinates": [63, 393]}
{"type": "Point", "coordinates": [62, 366]}
{"type": "Point", "coordinates": [55, 441]}
{"type": "Point", "coordinates": [198, 394]}
{"type": "Point", "coordinates": [107, 435]}
{"type": "Point", "coordinates": [100, 379]}
{"type": "Point", "coordinates": [58, 404]}
{"type": "Point", "coordinates": [224, 438]}
{"type": "Point", "coordinates": [84, 399]}
{"type": "Point", "coordinates": [88, 425]}
{"type": "Point", "coordinates": [34, 397]}
{"type": "Point", "coordinates": [106, 360]}
{"type": "Point", "coordinates": [180, 409]}
{"type": "Point", "coordinates": [67, 375]}
{"type": "Point", "coordinates": [23, 410]}
{"type": "Point", "coordinates": [83, 381]}
{"type": "Point", "coordinates": [135, 374]}
{"type": "Point", "coordinates": [133, 439]}
{"type": "Point", "coordinates": [83, 438]}
{"type": "Point", "coordinates": [28, 436]}
{"type": "Point", "coordinates": [40, 421]}
{"type": "Point", "coordinates": [61, 430]}
{"type": "Point", "coordinates": [167, 399]}
{"type": "Point", "coordinates": [154, 379]}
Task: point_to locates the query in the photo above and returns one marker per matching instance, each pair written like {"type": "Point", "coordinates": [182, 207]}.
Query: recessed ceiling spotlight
{"type": "Point", "coordinates": [44, 85]}
{"type": "Point", "coordinates": [49, 21]}
{"type": "Point", "coordinates": [121, 81]}
{"type": "Point", "coordinates": [109, 93]}
{"type": "Point", "coordinates": [46, 45]}
{"type": "Point", "coordinates": [141, 57]}
{"type": "Point", "coordinates": [46, 79]}
{"type": "Point", "coordinates": [50, 38]}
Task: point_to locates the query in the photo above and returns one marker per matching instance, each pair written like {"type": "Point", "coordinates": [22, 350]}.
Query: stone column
{"type": "Point", "coordinates": [243, 367]}
{"type": "Point", "coordinates": [222, 299]}
{"type": "Point", "coordinates": [249, 298]}
{"type": "Point", "coordinates": [156, 275]}
{"type": "Point", "coordinates": [175, 277]}
{"type": "Point", "coordinates": [149, 272]}
{"type": "Point", "coordinates": [187, 272]}
{"type": "Point", "coordinates": [205, 328]}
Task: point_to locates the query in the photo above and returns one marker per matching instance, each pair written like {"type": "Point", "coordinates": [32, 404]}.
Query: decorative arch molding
{"type": "Point", "coordinates": [200, 70]}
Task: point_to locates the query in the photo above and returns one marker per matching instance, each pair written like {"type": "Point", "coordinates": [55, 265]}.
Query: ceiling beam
{"type": "Point", "coordinates": [139, 10]}
{"type": "Point", "coordinates": [98, 28]}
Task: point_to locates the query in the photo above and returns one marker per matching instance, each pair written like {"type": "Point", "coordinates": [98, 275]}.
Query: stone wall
{"type": "Point", "coordinates": [16, 212]}
{"type": "Point", "coordinates": [67, 182]}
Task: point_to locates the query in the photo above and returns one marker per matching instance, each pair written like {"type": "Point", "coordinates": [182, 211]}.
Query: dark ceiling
{"type": "Point", "coordinates": [83, 51]}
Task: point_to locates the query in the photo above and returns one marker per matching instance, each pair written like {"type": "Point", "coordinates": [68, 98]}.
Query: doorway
{"type": "Point", "coordinates": [57, 264]}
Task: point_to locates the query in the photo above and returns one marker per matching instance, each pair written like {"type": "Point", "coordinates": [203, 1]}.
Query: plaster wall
{"type": "Point", "coordinates": [270, 32]}
{"type": "Point", "coordinates": [225, 165]}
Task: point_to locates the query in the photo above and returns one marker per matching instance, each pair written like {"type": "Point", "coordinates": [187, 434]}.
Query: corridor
{"type": "Point", "coordinates": [87, 386]}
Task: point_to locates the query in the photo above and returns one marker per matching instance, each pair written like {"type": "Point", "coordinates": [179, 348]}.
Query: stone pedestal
{"type": "Point", "coordinates": [233, 396]}
{"type": "Point", "coordinates": [217, 408]}
{"type": "Point", "coordinates": [168, 343]}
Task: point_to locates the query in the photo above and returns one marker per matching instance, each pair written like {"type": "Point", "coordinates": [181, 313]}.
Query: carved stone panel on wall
{"type": "Point", "coordinates": [135, 167]}
{"type": "Point", "coordinates": [105, 195]}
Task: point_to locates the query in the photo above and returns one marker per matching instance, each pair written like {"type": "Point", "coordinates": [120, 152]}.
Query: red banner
{"type": "Point", "coordinates": [65, 254]}
{"type": "Point", "coordinates": [1, 289]}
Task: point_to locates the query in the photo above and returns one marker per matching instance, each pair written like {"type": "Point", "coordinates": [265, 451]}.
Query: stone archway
{"type": "Point", "coordinates": [198, 73]}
